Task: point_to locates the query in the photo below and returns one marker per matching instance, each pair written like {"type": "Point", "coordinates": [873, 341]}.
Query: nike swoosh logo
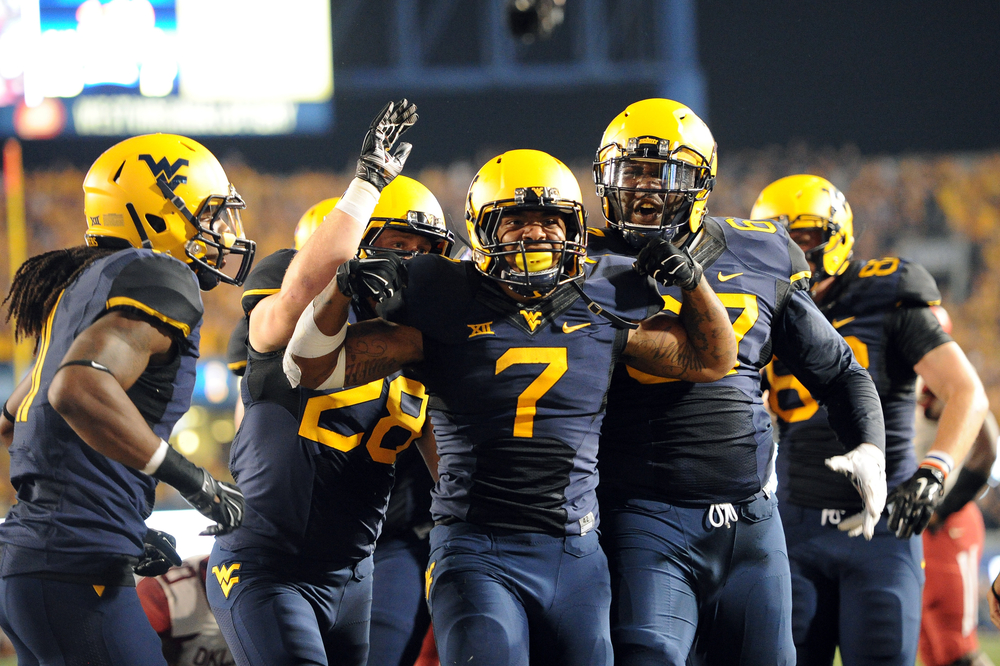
{"type": "Point", "coordinates": [569, 329]}
{"type": "Point", "coordinates": [837, 323]}
{"type": "Point", "coordinates": [723, 278]}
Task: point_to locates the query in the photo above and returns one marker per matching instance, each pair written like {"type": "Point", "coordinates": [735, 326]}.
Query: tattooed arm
{"type": "Point", "coordinates": [698, 346]}
{"type": "Point", "coordinates": [371, 350]}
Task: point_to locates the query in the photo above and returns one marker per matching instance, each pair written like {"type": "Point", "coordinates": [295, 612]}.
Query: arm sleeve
{"type": "Point", "coordinates": [159, 287]}
{"type": "Point", "coordinates": [154, 602]}
{"type": "Point", "coordinates": [820, 358]}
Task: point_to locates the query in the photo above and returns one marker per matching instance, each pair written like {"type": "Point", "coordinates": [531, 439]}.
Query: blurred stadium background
{"type": "Point", "coordinates": [895, 102]}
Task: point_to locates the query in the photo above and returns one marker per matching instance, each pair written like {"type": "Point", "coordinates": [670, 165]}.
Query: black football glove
{"type": "Point", "coordinates": [159, 555]}
{"type": "Point", "coordinates": [914, 501]}
{"type": "Point", "coordinates": [220, 501]}
{"type": "Point", "coordinates": [377, 165]}
{"type": "Point", "coordinates": [669, 266]}
{"type": "Point", "coordinates": [376, 278]}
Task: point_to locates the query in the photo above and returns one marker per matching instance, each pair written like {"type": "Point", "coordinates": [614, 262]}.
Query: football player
{"type": "Point", "coordinates": [399, 618]}
{"type": "Point", "coordinates": [236, 350]}
{"type": "Point", "coordinates": [953, 541]}
{"type": "Point", "coordinates": [516, 356]}
{"type": "Point", "coordinates": [864, 599]}
{"type": "Point", "coordinates": [117, 329]}
{"type": "Point", "coordinates": [178, 610]}
{"type": "Point", "coordinates": [294, 584]}
{"type": "Point", "coordinates": [694, 542]}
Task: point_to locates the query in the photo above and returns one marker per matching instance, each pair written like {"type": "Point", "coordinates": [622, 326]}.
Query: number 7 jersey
{"type": "Point", "coordinates": [517, 392]}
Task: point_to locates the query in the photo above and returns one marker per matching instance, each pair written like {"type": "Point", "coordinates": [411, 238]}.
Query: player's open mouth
{"type": "Point", "coordinates": [647, 211]}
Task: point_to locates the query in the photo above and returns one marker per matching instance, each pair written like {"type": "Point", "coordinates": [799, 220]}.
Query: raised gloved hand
{"type": "Point", "coordinates": [379, 162]}
{"type": "Point", "coordinates": [669, 266]}
{"type": "Point", "coordinates": [913, 502]}
{"type": "Point", "coordinates": [865, 467]}
{"type": "Point", "coordinates": [376, 278]}
{"type": "Point", "coordinates": [159, 555]}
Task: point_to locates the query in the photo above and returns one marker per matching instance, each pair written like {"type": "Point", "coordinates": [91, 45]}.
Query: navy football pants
{"type": "Point", "coordinates": [683, 586]}
{"type": "Point", "coordinates": [498, 598]}
{"type": "Point", "coordinates": [271, 617]}
{"type": "Point", "coordinates": [53, 623]}
{"type": "Point", "coordinates": [399, 611]}
{"type": "Point", "coordinates": [863, 596]}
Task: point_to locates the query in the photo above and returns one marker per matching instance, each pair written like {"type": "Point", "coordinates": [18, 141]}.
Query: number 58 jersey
{"type": "Point", "coordinates": [517, 392]}
{"type": "Point", "coordinates": [701, 444]}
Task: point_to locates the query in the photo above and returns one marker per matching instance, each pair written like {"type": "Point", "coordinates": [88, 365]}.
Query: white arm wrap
{"type": "Point", "coordinates": [157, 459]}
{"type": "Point", "coordinates": [359, 200]}
{"type": "Point", "coordinates": [309, 342]}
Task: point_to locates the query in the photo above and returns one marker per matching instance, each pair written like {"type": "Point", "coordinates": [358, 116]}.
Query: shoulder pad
{"type": "Point", "coordinates": [614, 284]}
{"type": "Point", "coordinates": [265, 279]}
{"type": "Point", "coordinates": [801, 273]}
{"type": "Point", "coordinates": [161, 287]}
{"type": "Point", "coordinates": [606, 241]}
{"type": "Point", "coordinates": [236, 350]}
{"type": "Point", "coordinates": [917, 285]}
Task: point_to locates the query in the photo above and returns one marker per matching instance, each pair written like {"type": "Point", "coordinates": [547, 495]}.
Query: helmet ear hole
{"type": "Point", "coordinates": [156, 223]}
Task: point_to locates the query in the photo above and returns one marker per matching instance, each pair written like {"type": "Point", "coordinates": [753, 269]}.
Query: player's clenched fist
{"type": "Point", "coordinates": [667, 265]}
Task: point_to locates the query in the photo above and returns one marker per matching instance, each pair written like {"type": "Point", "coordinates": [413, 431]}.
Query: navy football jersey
{"type": "Point", "coordinates": [74, 505]}
{"type": "Point", "coordinates": [700, 444]}
{"type": "Point", "coordinates": [236, 350]}
{"type": "Point", "coordinates": [315, 467]}
{"type": "Point", "coordinates": [517, 390]}
{"type": "Point", "coordinates": [880, 307]}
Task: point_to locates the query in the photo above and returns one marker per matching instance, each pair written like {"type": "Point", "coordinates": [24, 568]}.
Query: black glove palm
{"type": "Point", "coordinates": [160, 554]}
{"type": "Point", "coordinates": [914, 501]}
{"type": "Point", "coordinates": [220, 501]}
{"type": "Point", "coordinates": [378, 163]}
{"type": "Point", "coordinates": [663, 262]}
{"type": "Point", "coordinates": [375, 278]}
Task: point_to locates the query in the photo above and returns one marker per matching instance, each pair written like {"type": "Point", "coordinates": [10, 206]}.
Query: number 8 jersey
{"type": "Point", "coordinates": [881, 307]}
{"type": "Point", "coordinates": [316, 467]}
{"type": "Point", "coordinates": [517, 390]}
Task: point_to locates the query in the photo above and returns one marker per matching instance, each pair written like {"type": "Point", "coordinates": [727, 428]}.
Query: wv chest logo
{"type": "Point", "coordinates": [168, 170]}
{"type": "Point", "coordinates": [533, 319]}
{"type": "Point", "coordinates": [226, 578]}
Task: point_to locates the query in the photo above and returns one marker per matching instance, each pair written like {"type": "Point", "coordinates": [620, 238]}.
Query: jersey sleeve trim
{"type": "Point", "coordinates": [125, 301]}
{"type": "Point", "coordinates": [801, 275]}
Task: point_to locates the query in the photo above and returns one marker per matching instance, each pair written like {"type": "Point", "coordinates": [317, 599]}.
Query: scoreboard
{"type": "Point", "coordinates": [193, 67]}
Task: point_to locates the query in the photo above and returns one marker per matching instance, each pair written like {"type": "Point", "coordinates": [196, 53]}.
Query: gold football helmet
{"type": "Point", "coordinates": [526, 180]}
{"type": "Point", "coordinates": [654, 171]}
{"type": "Point", "coordinates": [311, 219]}
{"type": "Point", "coordinates": [408, 206]}
{"type": "Point", "coordinates": [811, 202]}
{"type": "Point", "coordinates": [167, 193]}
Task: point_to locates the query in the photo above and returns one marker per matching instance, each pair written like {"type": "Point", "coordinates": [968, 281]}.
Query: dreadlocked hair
{"type": "Point", "coordinates": [38, 283]}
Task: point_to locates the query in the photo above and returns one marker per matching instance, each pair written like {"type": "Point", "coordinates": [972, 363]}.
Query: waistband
{"type": "Point", "coordinates": [92, 568]}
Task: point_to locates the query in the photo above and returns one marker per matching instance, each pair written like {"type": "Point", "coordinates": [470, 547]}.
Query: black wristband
{"type": "Point", "coordinates": [10, 417]}
{"type": "Point", "coordinates": [966, 488]}
{"type": "Point", "coordinates": [179, 472]}
{"type": "Point", "coordinates": [89, 364]}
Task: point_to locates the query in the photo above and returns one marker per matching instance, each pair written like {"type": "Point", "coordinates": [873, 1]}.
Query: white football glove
{"type": "Point", "coordinates": [865, 467]}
